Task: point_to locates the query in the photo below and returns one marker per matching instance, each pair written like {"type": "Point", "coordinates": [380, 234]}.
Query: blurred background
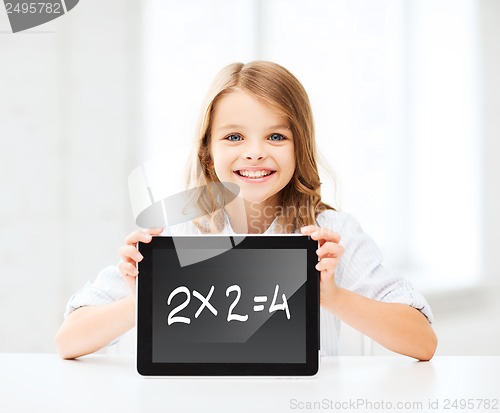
{"type": "Point", "coordinates": [406, 100]}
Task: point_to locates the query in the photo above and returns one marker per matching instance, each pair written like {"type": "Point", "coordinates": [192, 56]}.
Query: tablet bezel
{"type": "Point", "coordinates": [146, 367]}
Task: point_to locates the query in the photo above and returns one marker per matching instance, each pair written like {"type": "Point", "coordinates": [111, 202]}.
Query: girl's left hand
{"type": "Point", "coordinates": [329, 253]}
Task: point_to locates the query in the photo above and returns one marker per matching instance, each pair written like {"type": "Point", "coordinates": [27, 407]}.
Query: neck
{"type": "Point", "coordinates": [251, 217]}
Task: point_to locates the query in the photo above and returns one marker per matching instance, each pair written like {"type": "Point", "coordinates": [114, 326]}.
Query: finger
{"type": "Point", "coordinates": [330, 249]}
{"type": "Point", "coordinates": [137, 236]}
{"type": "Point", "coordinates": [327, 265]}
{"type": "Point", "coordinates": [128, 269]}
{"type": "Point", "coordinates": [154, 231]}
{"type": "Point", "coordinates": [129, 260]}
{"type": "Point", "coordinates": [142, 236]}
{"type": "Point", "coordinates": [308, 229]}
{"type": "Point", "coordinates": [130, 252]}
{"type": "Point", "coordinates": [324, 234]}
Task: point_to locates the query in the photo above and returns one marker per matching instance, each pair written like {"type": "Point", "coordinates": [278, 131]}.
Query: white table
{"type": "Point", "coordinates": [102, 383]}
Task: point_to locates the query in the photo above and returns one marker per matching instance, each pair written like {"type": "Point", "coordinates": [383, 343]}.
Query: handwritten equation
{"type": "Point", "coordinates": [232, 315]}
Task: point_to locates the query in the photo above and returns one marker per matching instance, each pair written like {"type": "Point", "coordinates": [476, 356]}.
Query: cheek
{"type": "Point", "coordinates": [215, 155]}
{"type": "Point", "coordinates": [288, 160]}
{"type": "Point", "coordinates": [224, 155]}
{"type": "Point", "coordinates": [220, 161]}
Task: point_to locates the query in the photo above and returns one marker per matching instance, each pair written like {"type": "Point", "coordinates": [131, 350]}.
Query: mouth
{"type": "Point", "coordinates": [257, 174]}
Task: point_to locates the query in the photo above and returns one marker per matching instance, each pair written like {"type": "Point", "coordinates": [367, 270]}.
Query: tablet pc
{"type": "Point", "coordinates": [250, 309]}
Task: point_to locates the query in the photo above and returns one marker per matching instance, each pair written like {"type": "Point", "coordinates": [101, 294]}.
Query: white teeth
{"type": "Point", "coordinates": [254, 174]}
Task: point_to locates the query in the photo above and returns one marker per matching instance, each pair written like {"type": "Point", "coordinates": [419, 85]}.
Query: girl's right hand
{"type": "Point", "coordinates": [130, 255]}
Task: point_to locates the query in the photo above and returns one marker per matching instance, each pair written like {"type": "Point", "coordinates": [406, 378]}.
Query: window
{"type": "Point", "coordinates": [394, 89]}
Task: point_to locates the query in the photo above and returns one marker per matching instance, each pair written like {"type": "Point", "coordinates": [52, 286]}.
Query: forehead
{"type": "Point", "coordinates": [242, 108]}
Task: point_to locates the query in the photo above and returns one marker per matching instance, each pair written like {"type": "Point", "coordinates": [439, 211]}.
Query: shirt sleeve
{"type": "Point", "coordinates": [108, 287]}
{"type": "Point", "coordinates": [360, 268]}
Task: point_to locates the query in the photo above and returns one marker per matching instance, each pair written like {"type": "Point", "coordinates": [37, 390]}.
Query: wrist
{"type": "Point", "coordinates": [336, 301]}
{"type": "Point", "coordinates": [128, 307]}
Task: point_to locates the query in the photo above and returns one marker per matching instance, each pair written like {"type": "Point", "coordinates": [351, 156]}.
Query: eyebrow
{"type": "Point", "coordinates": [234, 126]}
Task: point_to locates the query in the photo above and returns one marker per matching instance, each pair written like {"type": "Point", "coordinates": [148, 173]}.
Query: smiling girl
{"type": "Point", "coordinates": [257, 132]}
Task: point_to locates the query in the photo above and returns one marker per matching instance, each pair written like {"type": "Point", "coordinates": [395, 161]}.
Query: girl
{"type": "Point", "coordinates": [257, 132]}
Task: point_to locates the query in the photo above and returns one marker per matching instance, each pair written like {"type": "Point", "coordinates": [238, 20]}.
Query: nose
{"type": "Point", "coordinates": [255, 152]}
{"type": "Point", "coordinates": [254, 157]}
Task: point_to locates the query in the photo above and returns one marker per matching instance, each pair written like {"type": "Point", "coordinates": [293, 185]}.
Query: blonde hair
{"type": "Point", "coordinates": [275, 86]}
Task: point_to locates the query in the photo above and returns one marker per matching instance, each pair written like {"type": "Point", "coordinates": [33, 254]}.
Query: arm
{"type": "Point", "coordinates": [89, 328]}
{"type": "Point", "coordinates": [398, 327]}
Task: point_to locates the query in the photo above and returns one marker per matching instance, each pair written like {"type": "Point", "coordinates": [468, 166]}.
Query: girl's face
{"type": "Point", "coordinates": [252, 146]}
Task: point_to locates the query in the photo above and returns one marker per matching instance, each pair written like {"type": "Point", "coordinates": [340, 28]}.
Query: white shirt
{"type": "Point", "coordinates": [359, 270]}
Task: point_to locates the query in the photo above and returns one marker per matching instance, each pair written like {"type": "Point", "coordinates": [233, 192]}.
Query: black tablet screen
{"type": "Point", "coordinates": [241, 306]}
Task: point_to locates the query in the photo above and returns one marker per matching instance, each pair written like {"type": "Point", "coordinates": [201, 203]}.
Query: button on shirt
{"type": "Point", "coordinates": [359, 270]}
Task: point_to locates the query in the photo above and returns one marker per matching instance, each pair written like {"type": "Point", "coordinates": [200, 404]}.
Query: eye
{"type": "Point", "coordinates": [276, 137]}
{"type": "Point", "coordinates": [234, 137]}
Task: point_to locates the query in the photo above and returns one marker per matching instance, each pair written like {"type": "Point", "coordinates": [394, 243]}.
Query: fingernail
{"type": "Point", "coordinates": [139, 257]}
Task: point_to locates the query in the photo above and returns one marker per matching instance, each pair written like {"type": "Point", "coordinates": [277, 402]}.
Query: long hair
{"type": "Point", "coordinates": [275, 86]}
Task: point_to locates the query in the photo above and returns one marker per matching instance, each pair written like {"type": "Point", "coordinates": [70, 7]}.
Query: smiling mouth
{"type": "Point", "coordinates": [254, 174]}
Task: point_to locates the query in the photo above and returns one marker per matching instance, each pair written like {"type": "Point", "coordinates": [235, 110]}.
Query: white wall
{"type": "Point", "coordinates": [468, 320]}
{"type": "Point", "coordinates": [490, 41]}
{"type": "Point", "coordinates": [69, 133]}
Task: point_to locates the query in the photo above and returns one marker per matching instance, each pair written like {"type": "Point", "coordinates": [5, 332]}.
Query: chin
{"type": "Point", "coordinates": [255, 199]}
{"type": "Point", "coordinates": [252, 200]}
